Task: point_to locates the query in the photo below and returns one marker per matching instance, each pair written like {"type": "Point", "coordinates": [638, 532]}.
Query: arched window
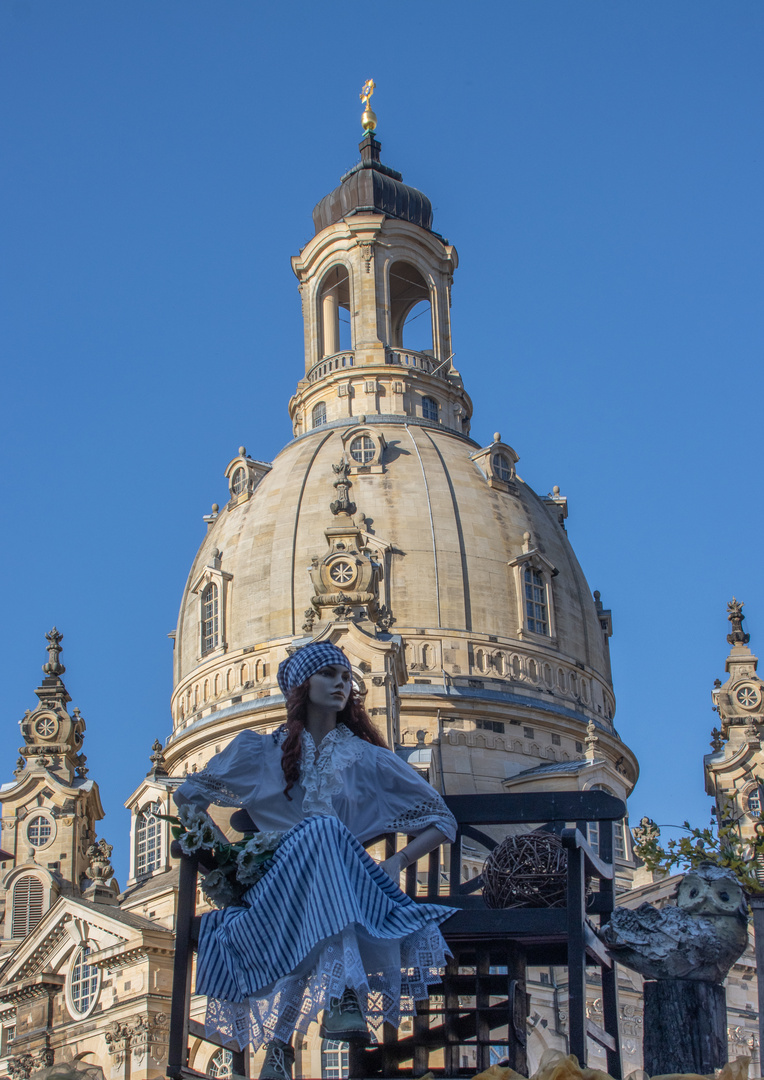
{"type": "Point", "coordinates": [334, 300]}
{"type": "Point", "coordinates": [319, 414]}
{"type": "Point", "coordinates": [410, 309]}
{"type": "Point", "coordinates": [335, 1060]}
{"type": "Point", "coordinates": [210, 622]}
{"type": "Point", "coordinates": [27, 905]}
{"type": "Point", "coordinates": [221, 1063]}
{"type": "Point", "coordinates": [148, 840]}
{"type": "Point", "coordinates": [502, 467]}
{"type": "Point", "coordinates": [84, 982]}
{"type": "Point", "coordinates": [753, 802]}
{"type": "Point", "coordinates": [39, 830]}
{"type": "Point", "coordinates": [362, 449]}
{"type": "Point", "coordinates": [239, 481]}
{"type": "Point", "coordinates": [593, 828]}
{"type": "Point", "coordinates": [535, 601]}
{"type": "Point", "coordinates": [429, 408]}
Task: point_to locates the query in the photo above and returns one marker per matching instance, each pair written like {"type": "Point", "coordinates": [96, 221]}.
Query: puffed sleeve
{"type": "Point", "coordinates": [407, 803]}
{"type": "Point", "coordinates": [229, 778]}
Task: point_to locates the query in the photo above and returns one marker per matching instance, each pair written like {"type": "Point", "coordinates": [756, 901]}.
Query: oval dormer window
{"type": "Point", "coordinates": [239, 481]}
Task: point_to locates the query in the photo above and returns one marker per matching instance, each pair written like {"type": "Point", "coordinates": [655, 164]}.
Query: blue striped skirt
{"type": "Point", "coordinates": [324, 917]}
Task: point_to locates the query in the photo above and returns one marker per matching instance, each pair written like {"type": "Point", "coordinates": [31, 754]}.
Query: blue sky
{"type": "Point", "coordinates": [598, 165]}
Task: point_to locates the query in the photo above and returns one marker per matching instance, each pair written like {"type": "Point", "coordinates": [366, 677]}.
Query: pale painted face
{"type": "Point", "coordinates": [330, 687]}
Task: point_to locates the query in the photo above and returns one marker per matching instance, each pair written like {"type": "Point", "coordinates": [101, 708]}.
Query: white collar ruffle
{"type": "Point", "coordinates": [321, 776]}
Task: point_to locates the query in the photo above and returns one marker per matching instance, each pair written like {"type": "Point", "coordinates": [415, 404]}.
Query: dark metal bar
{"type": "Point", "coordinates": [177, 1055]}
{"type": "Point", "coordinates": [576, 955]}
{"type": "Point", "coordinates": [421, 1026]}
{"type": "Point", "coordinates": [482, 1003]}
{"type": "Point", "coordinates": [535, 808]}
{"type": "Point", "coordinates": [410, 874]}
{"type": "Point", "coordinates": [433, 874]}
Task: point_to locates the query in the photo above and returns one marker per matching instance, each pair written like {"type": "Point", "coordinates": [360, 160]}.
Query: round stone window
{"type": "Point", "coordinates": [40, 830]}
{"type": "Point", "coordinates": [239, 483]}
{"type": "Point", "coordinates": [342, 572]}
{"type": "Point", "coordinates": [46, 727]}
{"type": "Point", "coordinates": [748, 696]}
{"type": "Point", "coordinates": [502, 467]}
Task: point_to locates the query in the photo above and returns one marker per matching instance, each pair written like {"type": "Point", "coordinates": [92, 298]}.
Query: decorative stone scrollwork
{"type": "Point", "coordinates": [100, 869]}
{"type": "Point", "coordinates": [22, 1067]}
{"type": "Point", "coordinates": [342, 504]}
{"type": "Point", "coordinates": [147, 1036]}
{"type": "Point", "coordinates": [346, 580]}
{"type": "Point", "coordinates": [736, 616]}
{"type": "Point", "coordinates": [385, 618]}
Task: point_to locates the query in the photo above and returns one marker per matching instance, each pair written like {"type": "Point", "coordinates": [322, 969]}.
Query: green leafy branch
{"type": "Point", "coordinates": [720, 844]}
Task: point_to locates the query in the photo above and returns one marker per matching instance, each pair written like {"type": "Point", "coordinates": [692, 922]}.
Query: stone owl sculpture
{"type": "Point", "coordinates": [699, 938]}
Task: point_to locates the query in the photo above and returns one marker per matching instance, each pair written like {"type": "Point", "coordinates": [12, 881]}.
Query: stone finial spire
{"type": "Point", "coordinates": [157, 760]}
{"type": "Point", "coordinates": [342, 504]}
{"type": "Point", "coordinates": [592, 738]}
{"type": "Point", "coordinates": [736, 616]}
{"type": "Point", "coordinates": [101, 887]}
{"type": "Point", "coordinates": [54, 666]}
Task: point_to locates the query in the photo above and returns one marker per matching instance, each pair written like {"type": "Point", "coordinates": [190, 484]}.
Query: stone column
{"type": "Point", "coordinates": [331, 320]}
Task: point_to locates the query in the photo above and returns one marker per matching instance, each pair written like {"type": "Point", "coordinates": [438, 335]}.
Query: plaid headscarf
{"type": "Point", "coordinates": [299, 667]}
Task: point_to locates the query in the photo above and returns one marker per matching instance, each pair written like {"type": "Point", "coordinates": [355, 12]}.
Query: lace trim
{"type": "Point", "coordinates": [412, 966]}
{"type": "Point", "coordinates": [213, 789]}
{"type": "Point", "coordinates": [320, 778]}
{"type": "Point", "coordinates": [418, 817]}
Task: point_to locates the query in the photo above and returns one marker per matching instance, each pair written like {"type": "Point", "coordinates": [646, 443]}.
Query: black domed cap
{"type": "Point", "coordinates": [372, 188]}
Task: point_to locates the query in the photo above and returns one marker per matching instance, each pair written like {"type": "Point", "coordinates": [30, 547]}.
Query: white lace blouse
{"type": "Point", "coordinates": [367, 787]}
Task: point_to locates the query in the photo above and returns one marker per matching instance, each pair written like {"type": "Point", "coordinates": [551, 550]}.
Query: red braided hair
{"type": "Point", "coordinates": [353, 716]}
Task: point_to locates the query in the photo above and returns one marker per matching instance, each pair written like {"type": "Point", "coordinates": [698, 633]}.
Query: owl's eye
{"type": "Point", "coordinates": [693, 893]}
{"type": "Point", "coordinates": [724, 896]}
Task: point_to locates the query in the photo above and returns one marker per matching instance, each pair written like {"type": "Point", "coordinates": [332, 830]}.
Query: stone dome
{"type": "Point", "coordinates": [448, 537]}
{"type": "Point", "coordinates": [382, 526]}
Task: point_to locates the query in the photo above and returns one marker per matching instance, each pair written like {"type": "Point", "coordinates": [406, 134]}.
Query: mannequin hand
{"type": "Point", "coordinates": [394, 865]}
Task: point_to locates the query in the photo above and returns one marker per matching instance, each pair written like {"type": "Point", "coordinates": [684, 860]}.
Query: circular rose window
{"type": "Point", "coordinates": [748, 696]}
{"type": "Point", "coordinates": [342, 572]}
{"type": "Point", "coordinates": [46, 727]}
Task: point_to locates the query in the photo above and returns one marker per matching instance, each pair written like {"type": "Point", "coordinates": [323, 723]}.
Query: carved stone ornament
{"type": "Point", "coordinates": [367, 253]}
{"type": "Point", "coordinates": [342, 504]}
{"type": "Point", "coordinates": [22, 1067]}
{"type": "Point", "coordinates": [54, 666]}
{"type": "Point", "coordinates": [100, 869]}
{"type": "Point", "coordinates": [346, 580]}
{"type": "Point", "coordinates": [156, 757]}
{"type": "Point", "coordinates": [736, 616]}
{"type": "Point", "coordinates": [146, 1036]}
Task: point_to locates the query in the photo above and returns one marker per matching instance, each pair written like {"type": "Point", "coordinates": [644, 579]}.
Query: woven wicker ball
{"type": "Point", "coordinates": [526, 871]}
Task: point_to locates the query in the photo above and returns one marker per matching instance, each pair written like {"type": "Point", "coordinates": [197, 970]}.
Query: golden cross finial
{"type": "Point", "coordinates": [368, 90]}
{"type": "Point", "coordinates": [368, 119]}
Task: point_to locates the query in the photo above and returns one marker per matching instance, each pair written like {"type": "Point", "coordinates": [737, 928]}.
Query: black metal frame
{"type": "Point", "coordinates": [484, 938]}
